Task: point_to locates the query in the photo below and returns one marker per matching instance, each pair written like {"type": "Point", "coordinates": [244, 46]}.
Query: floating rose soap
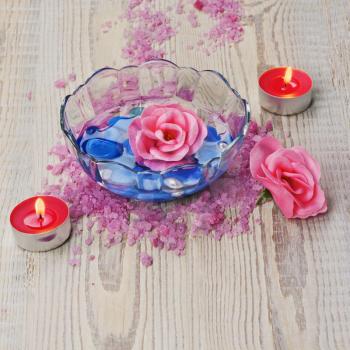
{"type": "Point", "coordinates": [166, 136]}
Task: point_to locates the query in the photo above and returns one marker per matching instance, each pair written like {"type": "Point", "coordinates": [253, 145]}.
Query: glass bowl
{"type": "Point", "coordinates": [96, 116]}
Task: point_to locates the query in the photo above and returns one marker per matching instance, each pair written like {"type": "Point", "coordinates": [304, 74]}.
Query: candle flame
{"type": "Point", "coordinates": [288, 75]}
{"type": "Point", "coordinates": [40, 208]}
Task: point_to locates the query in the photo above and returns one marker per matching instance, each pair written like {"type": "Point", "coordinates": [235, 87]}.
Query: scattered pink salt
{"type": "Point", "coordinates": [29, 95]}
{"type": "Point", "coordinates": [192, 18]}
{"type": "Point", "coordinates": [180, 7]}
{"type": "Point", "coordinates": [90, 224]}
{"type": "Point", "coordinates": [134, 3]}
{"type": "Point", "coordinates": [72, 76]}
{"type": "Point", "coordinates": [227, 15]}
{"type": "Point", "coordinates": [164, 226]}
{"type": "Point", "coordinates": [74, 261]}
{"type": "Point", "coordinates": [76, 250]}
{"type": "Point", "coordinates": [89, 240]}
{"type": "Point", "coordinates": [146, 260]}
{"type": "Point", "coordinates": [60, 83]}
{"type": "Point", "coordinates": [148, 30]}
{"type": "Point", "coordinates": [92, 257]}
{"type": "Point", "coordinates": [145, 34]}
{"type": "Point", "coordinates": [106, 26]}
{"type": "Point", "coordinates": [198, 5]}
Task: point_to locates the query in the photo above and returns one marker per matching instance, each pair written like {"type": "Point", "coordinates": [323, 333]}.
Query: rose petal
{"type": "Point", "coordinates": [203, 132]}
{"type": "Point", "coordinates": [310, 162]}
{"type": "Point", "coordinates": [144, 145]}
{"type": "Point", "coordinates": [171, 116]}
{"type": "Point", "coordinates": [169, 156]}
{"type": "Point", "coordinates": [192, 128]}
{"type": "Point", "coordinates": [148, 126]}
{"type": "Point", "coordinates": [283, 198]}
{"type": "Point", "coordinates": [133, 129]}
{"type": "Point", "coordinates": [316, 205]}
{"type": "Point", "coordinates": [261, 151]}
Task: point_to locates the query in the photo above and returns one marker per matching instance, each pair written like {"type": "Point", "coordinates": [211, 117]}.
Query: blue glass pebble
{"type": "Point", "coordinates": [212, 134]}
{"type": "Point", "coordinates": [127, 159]}
{"type": "Point", "coordinates": [114, 120]}
{"type": "Point", "coordinates": [127, 147]}
{"type": "Point", "coordinates": [178, 178]}
{"type": "Point", "coordinates": [102, 149]}
{"type": "Point", "coordinates": [149, 181]}
{"type": "Point", "coordinates": [91, 129]}
{"type": "Point", "coordinates": [207, 152]}
{"type": "Point", "coordinates": [117, 175]}
{"type": "Point", "coordinates": [136, 111]}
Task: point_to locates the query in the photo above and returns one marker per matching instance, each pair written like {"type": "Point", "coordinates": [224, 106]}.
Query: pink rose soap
{"type": "Point", "coordinates": [291, 175]}
{"type": "Point", "coordinates": [166, 136]}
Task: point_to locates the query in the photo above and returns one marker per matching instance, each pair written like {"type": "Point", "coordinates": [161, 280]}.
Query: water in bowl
{"type": "Point", "coordinates": [115, 168]}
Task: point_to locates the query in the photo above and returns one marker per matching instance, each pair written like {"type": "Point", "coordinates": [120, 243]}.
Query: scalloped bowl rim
{"type": "Point", "coordinates": [71, 138]}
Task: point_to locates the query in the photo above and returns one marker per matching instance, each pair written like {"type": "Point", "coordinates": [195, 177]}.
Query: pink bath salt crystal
{"type": "Point", "coordinates": [90, 224]}
{"type": "Point", "coordinates": [57, 169]}
{"type": "Point", "coordinates": [147, 31]}
{"type": "Point", "coordinates": [106, 26]}
{"type": "Point", "coordinates": [200, 42]}
{"type": "Point", "coordinates": [89, 240]}
{"type": "Point", "coordinates": [134, 3]}
{"type": "Point", "coordinates": [74, 261]}
{"type": "Point", "coordinates": [29, 95]}
{"type": "Point", "coordinates": [76, 250]}
{"type": "Point", "coordinates": [269, 126]}
{"type": "Point", "coordinates": [207, 52]}
{"type": "Point", "coordinates": [72, 77]}
{"type": "Point", "coordinates": [49, 167]}
{"type": "Point", "coordinates": [227, 15]}
{"type": "Point", "coordinates": [192, 18]}
{"type": "Point", "coordinates": [60, 83]}
{"type": "Point", "coordinates": [146, 259]}
{"type": "Point", "coordinates": [198, 5]}
{"type": "Point", "coordinates": [180, 7]}
{"type": "Point", "coordinates": [92, 257]}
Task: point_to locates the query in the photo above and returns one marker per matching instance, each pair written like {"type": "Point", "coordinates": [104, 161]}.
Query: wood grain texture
{"type": "Point", "coordinates": [285, 286]}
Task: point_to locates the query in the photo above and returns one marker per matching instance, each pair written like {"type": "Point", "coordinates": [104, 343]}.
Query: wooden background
{"type": "Point", "coordinates": [285, 286]}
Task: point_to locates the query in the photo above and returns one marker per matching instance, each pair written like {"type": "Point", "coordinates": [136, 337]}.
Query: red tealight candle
{"type": "Point", "coordinates": [40, 223]}
{"type": "Point", "coordinates": [285, 90]}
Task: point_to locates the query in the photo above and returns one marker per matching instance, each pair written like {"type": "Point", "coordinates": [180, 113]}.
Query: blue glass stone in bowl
{"type": "Point", "coordinates": [96, 117]}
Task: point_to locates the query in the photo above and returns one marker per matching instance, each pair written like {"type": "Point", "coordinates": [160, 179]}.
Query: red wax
{"type": "Point", "coordinates": [272, 82]}
{"type": "Point", "coordinates": [32, 220]}
{"type": "Point", "coordinates": [24, 219]}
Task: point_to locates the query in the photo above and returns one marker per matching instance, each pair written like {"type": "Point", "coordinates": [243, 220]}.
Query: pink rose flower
{"type": "Point", "coordinates": [291, 175]}
{"type": "Point", "coordinates": [166, 136]}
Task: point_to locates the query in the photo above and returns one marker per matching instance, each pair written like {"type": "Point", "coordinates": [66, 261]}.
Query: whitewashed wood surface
{"type": "Point", "coordinates": [284, 286]}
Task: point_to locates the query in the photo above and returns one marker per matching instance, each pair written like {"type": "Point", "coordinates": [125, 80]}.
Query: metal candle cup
{"type": "Point", "coordinates": [285, 90]}
{"type": "Point", "coordinates": [40, 223]}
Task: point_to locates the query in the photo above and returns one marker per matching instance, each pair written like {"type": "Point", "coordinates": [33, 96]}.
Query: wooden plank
{"type": "Point", "coordinates": [285, 286]}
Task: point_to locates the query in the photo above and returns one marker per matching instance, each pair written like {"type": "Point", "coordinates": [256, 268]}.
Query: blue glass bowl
{"type": "Point", "coordinates": [95, 120]}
